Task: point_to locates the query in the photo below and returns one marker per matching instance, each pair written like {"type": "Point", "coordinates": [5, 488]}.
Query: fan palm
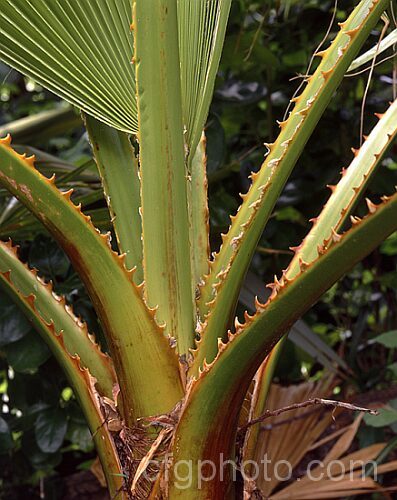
{"type": "Point", "coordinates": [168, 398]}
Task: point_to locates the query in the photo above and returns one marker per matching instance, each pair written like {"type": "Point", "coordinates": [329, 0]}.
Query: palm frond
{"type": "Point", "coordinates": [81, 51]}
{"type": "Point", "coordinates": [202, 27]}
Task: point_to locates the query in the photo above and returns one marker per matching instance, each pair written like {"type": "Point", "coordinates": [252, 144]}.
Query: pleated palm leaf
{"type": "Point", "coordinates": [168, 398]}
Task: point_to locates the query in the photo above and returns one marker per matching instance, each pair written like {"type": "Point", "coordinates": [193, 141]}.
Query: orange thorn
{"type": "Point", "coordinates": [371, 206]}
{"type": "Point", "coordinates": [6, 141]}
{"type": "Point", "coordinates": [335, 236]}
{"type": "Point", "coordinates": [320, 53]}
{"type": "Point", "coordinates": [67, 194]}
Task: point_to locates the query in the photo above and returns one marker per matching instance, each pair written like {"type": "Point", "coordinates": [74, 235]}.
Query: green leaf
{"type": "Point", "coordinates": [78, 432]}
{"type": "Point", "coordinates": [48, 258]}
{"type": "Point", "coordinates": [30, 392]}
{"type": "Point", "coordinates": [290, 214]}
{"type": "Point", "coordinates": [202, 27]}
{"type": "Point", "coordinates": [216, 144]}
{"type": "Point", "coordinates": [386, 417]}
{"type": "Point", "coordinates": [393, 369]}
{"type": "Point", "coordinates": [6, 442]}
{"type": "Point", "coordinates": [28, 353]}
{"type": "Point", "coordinates": [80, 435]}
{"type": "Point", "coordinates": [81, 51]}
{"type": "Point", "coordinates": [50, 429]}
{"type": "Point", "coordinates": [389, 246]}
{"type": "Point", "coordinates": [296, 59]}
{"type": "Point", "coordinates": [38, 458]}
{"type": "Point", "coordinates": [43, 125]}
{"type": "Point", "coordinates": [13, 324]}
{"type": "Point", "coordinates": [30, 412]}
{"type": "Point", "coordinates": [388, 339]}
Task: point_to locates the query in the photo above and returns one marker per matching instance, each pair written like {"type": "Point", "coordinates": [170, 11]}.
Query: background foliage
{"type": "Point", "coordinates": [43, 437]}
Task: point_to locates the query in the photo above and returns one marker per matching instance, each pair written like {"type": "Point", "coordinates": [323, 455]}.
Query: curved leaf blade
{"type": "Point", "coordinates": [126, 319]}
{"type": "Point", "coordinates": [348, 190]}
{"type": "Point", "coordinates": [83, 385]}
{"type": "Point", "coordinates": [221, 386]}
{"type": "Point", "coordinates": [53, 308]}
{"type": "Point", "coordinates": [220, 291]}
{"type": "Point", "coordinates": [386, 43]}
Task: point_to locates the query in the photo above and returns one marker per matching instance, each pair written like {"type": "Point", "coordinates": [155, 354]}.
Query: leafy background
{"type": "Point", "coordinates": [45, 445]}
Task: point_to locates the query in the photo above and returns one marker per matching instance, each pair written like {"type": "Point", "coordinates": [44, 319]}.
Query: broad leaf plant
{"type": "Point", "coordinates": [167, 399]}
